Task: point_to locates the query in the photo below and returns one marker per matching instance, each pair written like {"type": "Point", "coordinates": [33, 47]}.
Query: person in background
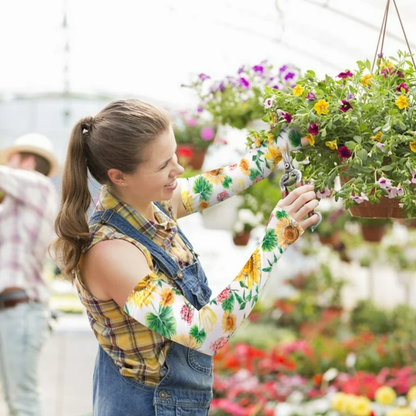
{"type": "Point", "coordinates": [145, 292]}
{"type": "Point", "coordinates": [28, 209]}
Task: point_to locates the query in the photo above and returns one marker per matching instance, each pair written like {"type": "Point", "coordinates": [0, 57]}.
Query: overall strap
{"type": "Point", "coordinates": [117, 221]}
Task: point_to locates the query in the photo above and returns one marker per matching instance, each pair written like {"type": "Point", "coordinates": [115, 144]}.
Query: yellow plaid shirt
{"type": "Point", "coordinates": [136, 350]}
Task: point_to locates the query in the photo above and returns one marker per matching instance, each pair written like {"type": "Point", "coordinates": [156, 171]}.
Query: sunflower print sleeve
{"type": "Point", "coordinates": [163, 309]}
{"type": "Point", "coordinates": [202, 191]}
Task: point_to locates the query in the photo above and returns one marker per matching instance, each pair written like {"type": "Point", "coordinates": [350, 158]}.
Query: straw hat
{"type": "Point", "coordinates": [33, 143]}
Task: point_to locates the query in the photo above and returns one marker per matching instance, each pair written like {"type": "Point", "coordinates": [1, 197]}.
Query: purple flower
{"type": "Point", "coordinates": [283, 68]}
{"type": "Point", "coordinates": [359, 199]}
{"type": "Point", "coordinates": [207, 133]}
{"type": "Point", "coordinates": [392, 192]}
{"type": "Point", "coordinates": [345, 74]}
{"type": "Point", "coordinates": [350, 96]}
{"type": "Point", "coordinates": [345, 106]}
{"type": "Point", "coordinates": [200, 109]}
{"type": "Point", "coordinates": [288, 117]}
{"type": "Point", "coordinates": [403, 86]}
{"type": "Point", "coordinates": [313, 129]}
{"type": "Point", "coordinates": [244, 82]}
{"type": "Point", "coordinates": [258, 68]}
{"type": "Point", "coordinates": [381, 146]}
{"type": "Point", "coordinates": [413, 176]}
{"type": "Point", "coordinates": [289, 75]}
{"type": "Point", "coordinates": [311, 96]}
{"type": "Point", "coordinates": [344, 152]}
{"type": "Point", "coordinates": [276, 87]}
{"type": "Point", "coordinates": [203, 77]}
{"type": "Point", "coordinates": [240, 70]}
{"type": "Point", "coordinates": [221, 86]}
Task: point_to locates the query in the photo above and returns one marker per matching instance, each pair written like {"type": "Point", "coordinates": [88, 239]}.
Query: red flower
{"type": "Point", "coordinates": [345, 74]}
{"type": "Point", "coordinates": [185, 152]}
{"type": "Point", "coordinates": [344, 152]}
{"type": "Point", "coordinates": [345, 106]}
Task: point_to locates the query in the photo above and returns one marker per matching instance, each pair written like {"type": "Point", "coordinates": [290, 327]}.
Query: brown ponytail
{"type": "Point", "coordinates": [117, 138]}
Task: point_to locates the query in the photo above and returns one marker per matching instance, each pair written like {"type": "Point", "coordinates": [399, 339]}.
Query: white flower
{"type": "Point", "coordinates": [359, 199]}
{"type": "Point", "coordinates": [384, 183]}
{"type": "Point", "coordinates": [268, 102]}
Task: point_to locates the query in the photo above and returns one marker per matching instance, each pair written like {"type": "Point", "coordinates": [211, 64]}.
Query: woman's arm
{"type": "Point", "coordinates": [159, 306]}
{"type": "Point", "coordinates": [210, 188]}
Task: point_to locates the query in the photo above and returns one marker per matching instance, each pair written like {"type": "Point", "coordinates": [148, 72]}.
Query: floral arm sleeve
{"type": "Point", "coordinates": [163, 309]}
{"type": "Point", "coordinates": [202, 191]}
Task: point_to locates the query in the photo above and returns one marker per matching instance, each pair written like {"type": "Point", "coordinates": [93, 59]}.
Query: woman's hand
{"type": "Point", "coordinates": [299, 203]}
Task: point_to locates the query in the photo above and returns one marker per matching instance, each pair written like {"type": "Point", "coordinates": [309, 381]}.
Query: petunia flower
{"type": "Point", "coordinates": [384, 183]}
{"type": "Point", "coordinates": [283, 68]}
{"type": "Point", "coordinates": [268, 102]}
{"type": "Point", "coordinates": [298, 90]}
{"type": "Point", "coordinates": [345, 106]}
{"type": "Point", "coordinates": [258, 68]}
{"type": "Point", "coordinates": [402, 87]}
{"type": "Point", "coordinates": [345, 74]}
{"type": "Point", "coordinates": [289, 76]}
{"type": "Point", "coordinates": [244, 82]}
{"type": "Point", "coordinates": [413, 176]}
{"type": "Point", "coordinates": [381, 146]}
{"type": "Point", "coordinates": [344, 152]}
{"type": "Point", "coordinates": [377, 137]}
{"type": "Point", "coordinates": [203, 77]}
{"type": "Point", "coordinates": [413, 146]}
{"type": "Point", "coordinates": [359, 199]}
{"type": "Point", "coordinates": [288, 117]}
{"type": "Point", "coordinates": [332, 144]}
{"type": "Point", "coordinates": [311, 139]}
{"type": "Point", "coordinates": [207, 133]}
{"type": "Point", "coordinates": [311, 96]}
{"type": "Point", "coordinates": [313, 129]}
{"type": "Point", "coordinates": [391, 192]}
{"type": "Point", "coordinates": [321, 107]}
{"type": "Point", "coordinates": [326, 193]}
{"type": "Point", "coordinates": [366, 79]}
{"type": "Point", "coordinates": [240, 70]}
{"type": "Point", "coordinates": [401, 102]}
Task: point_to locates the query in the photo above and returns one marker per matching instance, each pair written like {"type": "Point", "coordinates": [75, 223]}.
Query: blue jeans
{"type": "Point", "coordinates": [186, 387]}
{"type": "Point", "coordinates": [23, 331]}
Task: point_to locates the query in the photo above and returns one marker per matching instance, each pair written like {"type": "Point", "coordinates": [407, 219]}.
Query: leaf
{"type": "Point", "coordinates": [243, 305]}
{"type": "Point", "coordinates": [203, 188]}
{"type": "Point", "coordinates": [351, 145]}
{"type": "Point", "coordinates": [387, 168]}
{"type": "Point", "coordinates": [164, 323]}
{"type": "Point", "coordinates": [357, 139]}
{"type": "Point", "coordinates": [199, 335]}
{"type": "Point", "coordinates": [267, 269]}
{"type": "Point", "coordinates": [227, 182]}
{"type": "Point", "coordinates": [362, 154]}
{"type": "Point", "coordinates": [239, 298]}
{"type": "Point", "coordinates": [295, 138]}
{"type": "Point", "coordinates": [281, 214]}
{"type": "Point", "coordinates": [242, 284]}
{"type": "Point", "coordinates": [228, 304]}
{"type": "Point", "coordinates": [269, 242]}
{"type": "Point", "coordinates": [254, 174]}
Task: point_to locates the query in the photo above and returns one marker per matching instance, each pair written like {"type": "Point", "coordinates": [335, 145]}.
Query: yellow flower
{"type": "Point", "coordinates": [215, 177]}
{"type": "Point", "coordinates": [270, 136]}
{"type": "Point", "coordinates": [413, 146]}
{"type": "Point", "coordinates": [208, 318]}
{"type": "Point", "coordinates": [167, 297]}
{"type": "Point", "coordinates": [321, 107]}
{"type": "Point", "coordinates": [311, 139]}
{"type": "Point", "coordinates": [361, 406]}
{"type": "Point", "coordinates": [274, 154]}
{"type": "Point", "coordinates": [338, 402]}
{"type": "Point", "coordinates": [401, 102]}
{"type": "Point", "coordinates": [187, 200]}
{"type": "Point", "coordinates": [142, 294]}
{"type": "Point", "coordinates": [238, 185]}
{"type": "Point", "coordinates": [229, 322]}
{"type": "Point", "coordinates": [401, 411]}
{"type": "Point", "coordinates": [251, 270]}
{"type": "Point", "coordinates": [186, 340]}
{"type": "Point", "coordinates": [244, 166]}
{"type": "Point", "coordinates": [332, 144]}
{"type": "Point", "coordinates": [411, 394]}
{"type": "Point", "coordinates": [298, 90]}
{"type": "Point", "coordinates": [273, 118]}
{"type": "Point", "coordinates": [203, 205]}
{"type": "Point", "coordinates": [366, 79]}
{"type": "Point", "coordinates": [377, 137]}
{"type": "Point", "coordinates": [286, 232]}
{"type": "Point", "coordinates": [385, 395]}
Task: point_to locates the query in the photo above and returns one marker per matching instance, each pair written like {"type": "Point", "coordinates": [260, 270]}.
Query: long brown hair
{"type": "Point", "coordinates": [116, 138]}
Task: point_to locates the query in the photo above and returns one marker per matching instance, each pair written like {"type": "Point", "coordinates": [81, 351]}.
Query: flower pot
{"type": "Point", "coordinates": [373, 233]}
{"type": "Point", "coordinates": [222, 216]}
{"type": "Point", "coordinates": [191, 156]}
{"type": "Point", "coordinates": [242, 239]}
{"type": "Point", "coordinates": [331, 240]}
{"type": "Point", "coordinates": [386, 208]}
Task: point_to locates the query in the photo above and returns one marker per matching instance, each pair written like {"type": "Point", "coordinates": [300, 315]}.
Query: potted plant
{"type": "Point", "coordinates": [360, 125]}
{"type": "Point", "coordinates": [194, 134]}
{"type": "Point", "coordinates": [246, 222]}
{"type": "Point", "coordinates": [373, 229]}
{"type": "Point", "coordinates": [237, 100]}
{"type": "Point", "coordinates": [333, 223]}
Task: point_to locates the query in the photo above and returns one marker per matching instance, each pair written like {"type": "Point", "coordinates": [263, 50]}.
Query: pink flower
{"type": "Point", "coordinates": [191, 122]}
{"type": "Point", "coordinates": [359, 199]}
{"type": "Point", "coordinates": [207, 133]}
{"type": "Point", "coordinates": [381, 146]}
{"type": "Point", "coordinates": [414, 176]}
{"type": "Point", "coordinates": [217, 345]}
{"type": "Point", "coordinates": [311, 96]}
{"type": "Point", "coordinates": [344, 152]}
{"type": "Point", "coordinates": [403, 86]}
{"type": "Point", "coordinates": [313, 129]}
{"type": "Point", "coordinates": [345, 74]}
{"type": "Point", "coordinates": [326, 193]}
{"type": "Point", "coordinates": [384, 183]}
{"type": "Point", "coordinates": [392, 192]}
{"type": "Point", "coordinates": [224, 295]}
{"type": "Point", "coordinates": [223, 195]}
{"type": "Point", "coordinates": [288, 118]}
{"type": "Point", "coordinates": [187, 314]}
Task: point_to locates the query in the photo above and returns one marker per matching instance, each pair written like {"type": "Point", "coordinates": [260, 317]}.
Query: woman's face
{"type": "Point", "coordinates": [155, 178]}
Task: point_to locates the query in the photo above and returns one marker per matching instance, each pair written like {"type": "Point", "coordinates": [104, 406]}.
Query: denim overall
{"type": "Point", "coordinates": [186, 387]}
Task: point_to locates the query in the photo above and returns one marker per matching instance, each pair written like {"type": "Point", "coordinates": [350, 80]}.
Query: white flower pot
{"type": "Point", "coordinates": [222, 216]}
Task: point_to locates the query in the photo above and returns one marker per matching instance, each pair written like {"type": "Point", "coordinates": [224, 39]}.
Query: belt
{"type": "Point", "coordinates": [9, 300]}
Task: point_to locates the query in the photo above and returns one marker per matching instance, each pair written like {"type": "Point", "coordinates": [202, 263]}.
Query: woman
{"type": "Point", "coordinates": [146, 295]}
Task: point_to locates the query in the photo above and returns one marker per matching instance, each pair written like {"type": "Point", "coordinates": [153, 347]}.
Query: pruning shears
{"type": "Point", "coordinates": [291, 177]}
